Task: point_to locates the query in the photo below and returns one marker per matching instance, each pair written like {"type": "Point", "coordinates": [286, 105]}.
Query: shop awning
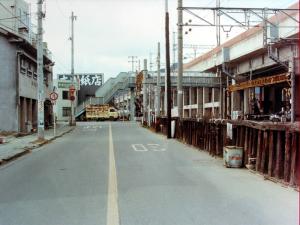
{"type": "Point", "coordinates": [260, 82]}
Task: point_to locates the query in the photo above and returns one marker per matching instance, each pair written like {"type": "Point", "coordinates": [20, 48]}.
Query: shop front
{"type": "Point", "coordinates": [268, 98]}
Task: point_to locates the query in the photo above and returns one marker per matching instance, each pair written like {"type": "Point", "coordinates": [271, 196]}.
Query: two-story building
{"type": "Point", "coordinates": [18, 70]}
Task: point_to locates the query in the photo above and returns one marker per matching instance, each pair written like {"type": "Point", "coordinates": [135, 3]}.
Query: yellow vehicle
{"type": "Point", "coordinates": [101, 112]}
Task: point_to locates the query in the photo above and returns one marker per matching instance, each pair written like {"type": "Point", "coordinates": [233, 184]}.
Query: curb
{"type": "Point", "coordinates": [27, 149]}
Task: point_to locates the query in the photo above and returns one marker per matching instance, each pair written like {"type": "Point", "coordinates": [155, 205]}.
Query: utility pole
{"type": "Point", "coordinates": [180, 63]}
{"type": "Point", "coordinates": [157, 101]}
{"type": "Point", "coordinates": [145, 72]}
{"type": "Point", "coordinates": [219, 72]}
{"type": "Point", "coordinates": [168, 73]}
{"type": "Point", "coordinates": [40, 71]}
{"type": "Point", "coordinates": [72, 120]}
{"type": "Point", "coordinates": [132, 61]}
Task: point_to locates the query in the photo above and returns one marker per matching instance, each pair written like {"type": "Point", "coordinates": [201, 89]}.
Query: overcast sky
{"type": "Point", "coordinates": [108, 31]}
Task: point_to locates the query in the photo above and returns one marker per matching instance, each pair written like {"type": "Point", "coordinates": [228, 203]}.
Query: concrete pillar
{"type": "Point", "coordinates": [23, 114]}
{"type": "Point", "coordinates": [174, 98]}
{"type": "Point", "coordinates": [236, 101]}
{"type": "Point", "coordinates": [223, 102]}
{"type": "Point", "coordinates": [200, 102]}
{"type": "Point", "coordinates": [34, 113]}
{"type": "Point", "coordinates": [246, 102]}
{"type": "Point", "coordinates": [183, 102]}
{"type": "Point", "coordinates": [29, 109]}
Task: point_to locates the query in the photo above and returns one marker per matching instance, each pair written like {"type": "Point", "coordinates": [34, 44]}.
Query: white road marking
{"type": "Point", "coordinates": [139, 148]}
{"type": "Point", "coordinates": [150, 147]}
{"type": "Point", "coordinates": [112, 199]}
{"type": "Point", "coordinates": [156, 148]}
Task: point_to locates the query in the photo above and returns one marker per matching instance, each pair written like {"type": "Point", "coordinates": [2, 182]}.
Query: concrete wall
{"type": "Point", "coordinates": [8, 109]}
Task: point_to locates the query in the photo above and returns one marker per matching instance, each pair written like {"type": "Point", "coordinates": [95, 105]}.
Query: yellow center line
{"type": "Point", "coordinates": [112, 199]}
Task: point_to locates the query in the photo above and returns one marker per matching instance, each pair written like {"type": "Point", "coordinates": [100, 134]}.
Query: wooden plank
{"type": "Point", "coordinates": [217, 141]}
{"type": "Point", "coordinates": [242, 139]}
{"type": "Point", "coordinates": [254, 143]}
{"type": "Point", "coordinates": [287, 157]}
{"type": "Point", "coordinates": [271, 153]}
{"type": "Point", "coordinates": [246, 146]}
{"type": "Point", "coordinates": [278, 156]}
{"type": "Point", "coordinates": [250, 141]}
{"type": "Point", "coordinates": [237, 136]}
{"type": "Point", "coordinates": [258, 152]}
{"type": "Point", "coordinates": [293, 159]}
{"type": "Point", "coordinates": [264, 151]}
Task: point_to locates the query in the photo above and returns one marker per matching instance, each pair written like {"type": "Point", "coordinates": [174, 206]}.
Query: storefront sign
{"type": "Point", "coordinates": [84, 79]}
{"type": "Point", "coordinates": [259, 82]}
{"type": "Point", "coordinates": [65, 85]}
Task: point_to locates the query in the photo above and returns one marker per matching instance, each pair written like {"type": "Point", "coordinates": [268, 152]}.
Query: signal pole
{"type": "Point", "coordinates": [72, 120]}
{"type": "Point", "coordinates": [40, 71]}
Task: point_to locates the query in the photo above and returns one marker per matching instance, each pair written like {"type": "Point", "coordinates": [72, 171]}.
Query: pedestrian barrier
{"type": "Point", "coordinates": [272, 151]}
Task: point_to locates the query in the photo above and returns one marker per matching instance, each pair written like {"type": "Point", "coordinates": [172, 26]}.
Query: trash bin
{"type": "Point", "coordinates": [233, 156]}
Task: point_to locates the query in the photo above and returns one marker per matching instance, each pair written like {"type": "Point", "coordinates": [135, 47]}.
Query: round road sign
{"type": "Point", "coordinates": [53, 96]}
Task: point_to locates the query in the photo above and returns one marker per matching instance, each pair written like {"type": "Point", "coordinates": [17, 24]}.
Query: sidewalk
{"type": "Point", "coordinates": [14, 147]}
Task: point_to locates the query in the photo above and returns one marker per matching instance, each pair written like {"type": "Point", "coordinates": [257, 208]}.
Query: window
{"type": "Point", "coordinates": [66, 111]}
{"type": "Point", "coordinates": [30, 70]}
{"type": "Point", "coordinates": [23, 68]}
{"type": "Point", "coordinates": [65, 95]}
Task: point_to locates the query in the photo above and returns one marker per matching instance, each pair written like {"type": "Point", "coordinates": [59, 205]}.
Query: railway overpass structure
{"type": "Point", "coordinates": [126, 83]}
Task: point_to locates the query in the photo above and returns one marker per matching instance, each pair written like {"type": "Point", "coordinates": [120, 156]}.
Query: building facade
{"type": "Point", "coordinates": [86, 85]}
{"type": "Point", "coordinates": [18, 70]}
{"type": "Point", "coordinates": [260, 67]}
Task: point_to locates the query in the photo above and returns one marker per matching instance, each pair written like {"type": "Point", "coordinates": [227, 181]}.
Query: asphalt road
{"type": "Point", "coordinates": [121, 174]}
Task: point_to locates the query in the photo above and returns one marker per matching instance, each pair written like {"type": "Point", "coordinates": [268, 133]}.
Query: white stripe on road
{"type": "Point", "coordinates": [112, 199]}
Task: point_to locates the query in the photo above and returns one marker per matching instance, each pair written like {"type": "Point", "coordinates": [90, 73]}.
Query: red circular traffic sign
{"type": "Point", "coordinates": [53, 96]}
{"type": "Point", "coordinates": [72, 88]}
